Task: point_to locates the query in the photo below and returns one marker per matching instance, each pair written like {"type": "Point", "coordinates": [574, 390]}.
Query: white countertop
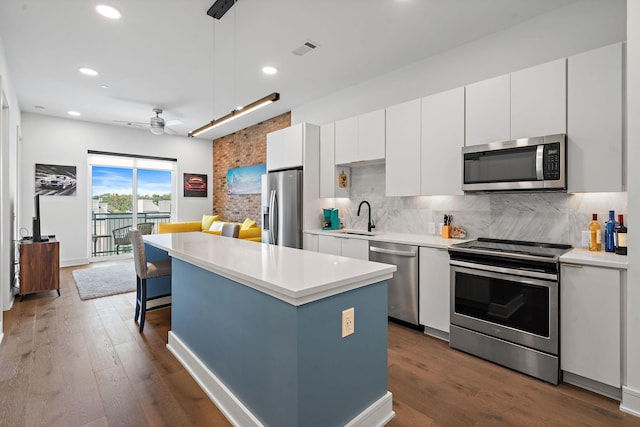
{"type": "Point", "coordinates": [596, 259]}
{"type": "Point", "coordinates": [434, 241]}
{"type": "Point", "coordinates": [292, 275]}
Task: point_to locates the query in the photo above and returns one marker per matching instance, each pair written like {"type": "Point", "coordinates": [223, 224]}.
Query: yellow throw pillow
{"type": "Point", "coordinates": [216, 226]}
{"type": "Point", "coordinates": [207, 220]}
{"type": "Point", "coordinates": [247, 224]}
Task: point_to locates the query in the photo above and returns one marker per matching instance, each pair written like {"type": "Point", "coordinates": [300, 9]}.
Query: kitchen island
{"type": "Point", "coordinates": [259, 327]}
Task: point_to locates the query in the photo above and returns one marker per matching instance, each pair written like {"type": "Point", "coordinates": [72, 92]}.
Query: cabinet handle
{"type": "Point", "coordinates": [566, 264]}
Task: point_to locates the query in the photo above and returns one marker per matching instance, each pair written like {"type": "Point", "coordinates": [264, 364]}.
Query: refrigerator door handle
{"type": "Point", "coordinates": [273, 221]}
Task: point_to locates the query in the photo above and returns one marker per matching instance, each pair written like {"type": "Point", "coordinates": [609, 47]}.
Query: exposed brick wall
{"type": "Point", "coordinates": [246, 147]}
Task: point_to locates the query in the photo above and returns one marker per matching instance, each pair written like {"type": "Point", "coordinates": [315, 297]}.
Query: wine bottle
{"type": "Point", "coordinates": [609, 228]}
{"type": "Point", "coordinates": [595, 234]}
{"type": "Point", "coordinates": [621, 236]}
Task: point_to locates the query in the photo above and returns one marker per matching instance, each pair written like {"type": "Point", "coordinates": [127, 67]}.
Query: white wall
{"type": "Point", "coordinates": [59, 141]}
{"type": "Point", "coordinates": [8, 176]}
{"type": "Point", "coordinates": [576, 28]}
{"type": "Point", "coordinates": [631, 389]}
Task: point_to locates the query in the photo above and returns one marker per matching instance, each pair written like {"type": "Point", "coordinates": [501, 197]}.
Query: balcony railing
{"type": "Point", "coordinates": [103, 225]}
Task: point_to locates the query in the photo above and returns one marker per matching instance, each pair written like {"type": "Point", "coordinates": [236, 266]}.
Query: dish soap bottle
{"type": "Point", "coordinates": [595, 234]}
{"type": "Point", "coordinates": [609, 229]}
{"type": "Point", "coordinates": [621, 236]}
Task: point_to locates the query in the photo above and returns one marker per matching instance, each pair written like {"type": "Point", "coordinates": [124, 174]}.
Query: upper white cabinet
{"type": "Point", "coordinates": [539, 100]}
{"type": "Point", "coordinates": [329, 173]}
{"type": "Point", "coordinates": [360, 138]}
{"type": "Point", "coordinates": [590, 331]}
{"type": "Point", "coordinates": [488, 112]}
{"type": "Point", "coordinates": [442, 142]}
{"type": "Point", "coordinates": [371, 137]}
{"type": "Point", "coordinates": [402, 177]}
{"type": "Point", "coordinates": [594, 122]}
{"type": "Point", "coordinates": [435, 291]}
{"type": "Point", "coordinates": [346, 141]}
{"type": "Point", "coordinates": [285, 148]}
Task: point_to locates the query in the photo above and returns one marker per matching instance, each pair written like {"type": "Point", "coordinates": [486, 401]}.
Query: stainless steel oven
{"type": "Point", "coordinates": [505, 303]}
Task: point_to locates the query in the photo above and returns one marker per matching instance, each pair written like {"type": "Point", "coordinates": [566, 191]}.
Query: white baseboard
{"type": "Point", "coordinates": [630, 401]}
{"type": "Point", "coordinates": [377, 414]}
{"type": "Point", "coordinates": [225, 400]}
{"type": "Point", "coordinates": [74, 262]}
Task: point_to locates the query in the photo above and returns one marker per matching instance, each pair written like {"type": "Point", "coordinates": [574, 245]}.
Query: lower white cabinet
{"type": "Point", "coordinates": [310, 242]}
{"type": "Point", "coordinates": [590, 332]}
{"type": "Point", "coordinates": [344, 246]}
{"type": "Point", "coordinates": [434, 289]}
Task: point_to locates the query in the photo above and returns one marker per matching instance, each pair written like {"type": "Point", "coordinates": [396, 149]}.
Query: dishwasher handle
{"type": "Point", "coordinates": [392, 251]}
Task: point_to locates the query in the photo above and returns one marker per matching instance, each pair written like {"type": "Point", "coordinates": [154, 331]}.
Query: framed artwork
{"type": "Point", "coordinates": [55, 180]}
{"type": "Point", "coordinates": [195, 185]}
{"type": "Point", "coordinates": [245, 180]}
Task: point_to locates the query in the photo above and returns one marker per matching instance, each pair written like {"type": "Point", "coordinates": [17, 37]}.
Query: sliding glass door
{"type": "Point", "coordinates": [128, 192]}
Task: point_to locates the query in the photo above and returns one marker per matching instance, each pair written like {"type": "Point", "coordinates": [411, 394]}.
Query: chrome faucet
{"type": "Point", "coordinates": [370, 224]}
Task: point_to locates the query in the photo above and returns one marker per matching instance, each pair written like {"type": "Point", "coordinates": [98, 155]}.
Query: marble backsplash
{"type": "Point", "coordinates": [545, 217]}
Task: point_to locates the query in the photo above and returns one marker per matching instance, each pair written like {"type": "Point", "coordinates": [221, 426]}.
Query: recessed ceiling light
{"type": "Point", "coordinates": [88, 71]}
{"type": "Point", "coordinates": [104, 86]}
{"type": "Point", "coordinates": [38, 107]}
{"type": "Point", "coordinates": [108, 11]}
{"type": "Point", "coordinates": [269, 70]}
{"type": "Point", "coordinates": [73, 113]}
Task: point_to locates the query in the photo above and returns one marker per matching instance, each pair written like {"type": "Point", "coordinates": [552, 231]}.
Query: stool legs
{"type": "Point", "coordinates": [138, 300]}
{"type": "Point", "coordinates": [143, 302]}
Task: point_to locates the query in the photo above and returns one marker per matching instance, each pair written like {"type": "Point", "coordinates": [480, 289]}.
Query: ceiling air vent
{"type": "Point", "coordinates": [305, 48]}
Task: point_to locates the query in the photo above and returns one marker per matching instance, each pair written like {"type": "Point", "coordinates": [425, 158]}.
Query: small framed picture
{"type": "Point", "coordinates": [195, 185]}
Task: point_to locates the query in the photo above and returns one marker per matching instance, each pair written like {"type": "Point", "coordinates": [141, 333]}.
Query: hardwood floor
{"type": "Point", "coordinates": [66, 362]}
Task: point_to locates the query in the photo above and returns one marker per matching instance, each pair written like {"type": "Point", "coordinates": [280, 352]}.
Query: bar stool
{"type": "Point", "coordinates": [146, 270]}
{"type": "Point", "coordinates": [230, 230]}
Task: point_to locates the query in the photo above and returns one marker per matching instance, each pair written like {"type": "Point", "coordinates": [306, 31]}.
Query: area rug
{"type": "Point", "coordinates": [97, 282]}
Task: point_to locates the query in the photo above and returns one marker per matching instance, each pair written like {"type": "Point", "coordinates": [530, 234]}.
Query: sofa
{"type": "Point", "coordinates": [211, 224]}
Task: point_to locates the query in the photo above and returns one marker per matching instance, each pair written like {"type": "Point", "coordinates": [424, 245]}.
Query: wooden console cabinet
{"type": "Point", "coordinates": [39, 267]}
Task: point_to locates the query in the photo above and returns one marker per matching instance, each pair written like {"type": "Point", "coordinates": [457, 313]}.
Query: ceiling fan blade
{"type": "Point", "coordinates": [130, 123]}
{"type": "Point", "coordinates": [174, 122]}
{"type": "Point", "coordinates": [169, 131]}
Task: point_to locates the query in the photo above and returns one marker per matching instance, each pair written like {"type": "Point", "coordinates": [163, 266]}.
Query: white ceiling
{"type": "Point", "coordinates": [161, 53]}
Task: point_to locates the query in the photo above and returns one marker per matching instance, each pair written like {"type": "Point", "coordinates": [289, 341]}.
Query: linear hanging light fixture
{"type": "Point", "coordinates": [238, 112]}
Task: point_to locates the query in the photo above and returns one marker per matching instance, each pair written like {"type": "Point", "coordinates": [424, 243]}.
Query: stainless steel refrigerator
{"type": "Point", "coordinates": [282, 209]}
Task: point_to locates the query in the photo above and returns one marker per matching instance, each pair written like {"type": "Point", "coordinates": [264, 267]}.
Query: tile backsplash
{"type": "Point", "coordinates": [545, 217]}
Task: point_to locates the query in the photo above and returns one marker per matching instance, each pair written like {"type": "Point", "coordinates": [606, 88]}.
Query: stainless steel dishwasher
{"type": "Point", "coordinates": [403, 286]}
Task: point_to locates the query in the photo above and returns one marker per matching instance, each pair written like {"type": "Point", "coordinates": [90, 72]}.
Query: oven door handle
{"type": "Point", "coordinates": [503, 270]}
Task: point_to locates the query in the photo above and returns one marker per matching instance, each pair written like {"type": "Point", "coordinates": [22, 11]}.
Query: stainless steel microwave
{"type": "Point", "coordinates": [538, 163]}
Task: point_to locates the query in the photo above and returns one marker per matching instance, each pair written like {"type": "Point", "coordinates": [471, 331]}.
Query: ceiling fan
{"type": "Point", "coordinates": [156, 124]}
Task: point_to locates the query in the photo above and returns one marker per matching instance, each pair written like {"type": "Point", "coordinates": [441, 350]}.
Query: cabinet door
{"type": "Point", "coordinates": [327, 161]}
{"type": "Point", "coordinates": [434, 288]}
{"type": "Point", "coordinates": [329, 245]}
{"type": "Point", "coordinates": [594, 124]}
{"type": "Point", "coordinates": [402, 177]}
{"type": "Point", "coordinates": [539, 100]}
{"type": "Point", "coordinates": [442, 142]}
{"type": "Point", "coordinates": [310, 242]}
{"type": "Point", "coordinates": [275, 150]}
{"type": "Point", "coordinates": [371, 138]}
{"type": "Point", "coordinates": [488, 111]}
{"type": "Point", "coordinates": [590, 333]}
{"type": "Point", "coordinates": [355, 248]}
{"type": "Point", "coordinates": [292, 146]}
{"type": "Point", "coordinates": [346, 143]}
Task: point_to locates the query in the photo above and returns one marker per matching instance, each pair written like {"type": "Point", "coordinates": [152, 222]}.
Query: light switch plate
{"type": "Point", "coordinates": [348, 322]}
{"type": "Point", "coordinates": [431, 227]}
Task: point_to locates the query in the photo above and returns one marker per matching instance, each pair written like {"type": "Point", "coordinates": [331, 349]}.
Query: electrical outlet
{"type": "Point", "coordinates": [348, 322]}
{"type": "Point", "coordinates": [431, 227]}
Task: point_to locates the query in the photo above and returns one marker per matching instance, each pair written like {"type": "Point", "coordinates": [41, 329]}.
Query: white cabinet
{"type": "Point", "coordinates": [344, 246]}
{"type": "Point", "coordinates": [346, 141]}
{"type": "Point", "coordinates": [360, 138]}
{"type": "Point", "coordinates": [539, 100]}
{"type": "Point", "coordinates": [595, 114]}
{"type": "Point", "coordinates": [434, 290]}
{"type": "Point", "coordinates": [488, 111]}
{"type": "Point", "coordinates": [310, 242]}
{"type": "Point", "coordinates": [590, 334]}
{"type": "Point", "coordinates": [329, 186]}
{"type": "Point", "coordinates": [371, 136]}
{"type": "Point", "coordinates": [442, 142]}
{"type": "Point", "coordinates": [402, 177]}
{"type": "Point", "coordinates": [285, 148]}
